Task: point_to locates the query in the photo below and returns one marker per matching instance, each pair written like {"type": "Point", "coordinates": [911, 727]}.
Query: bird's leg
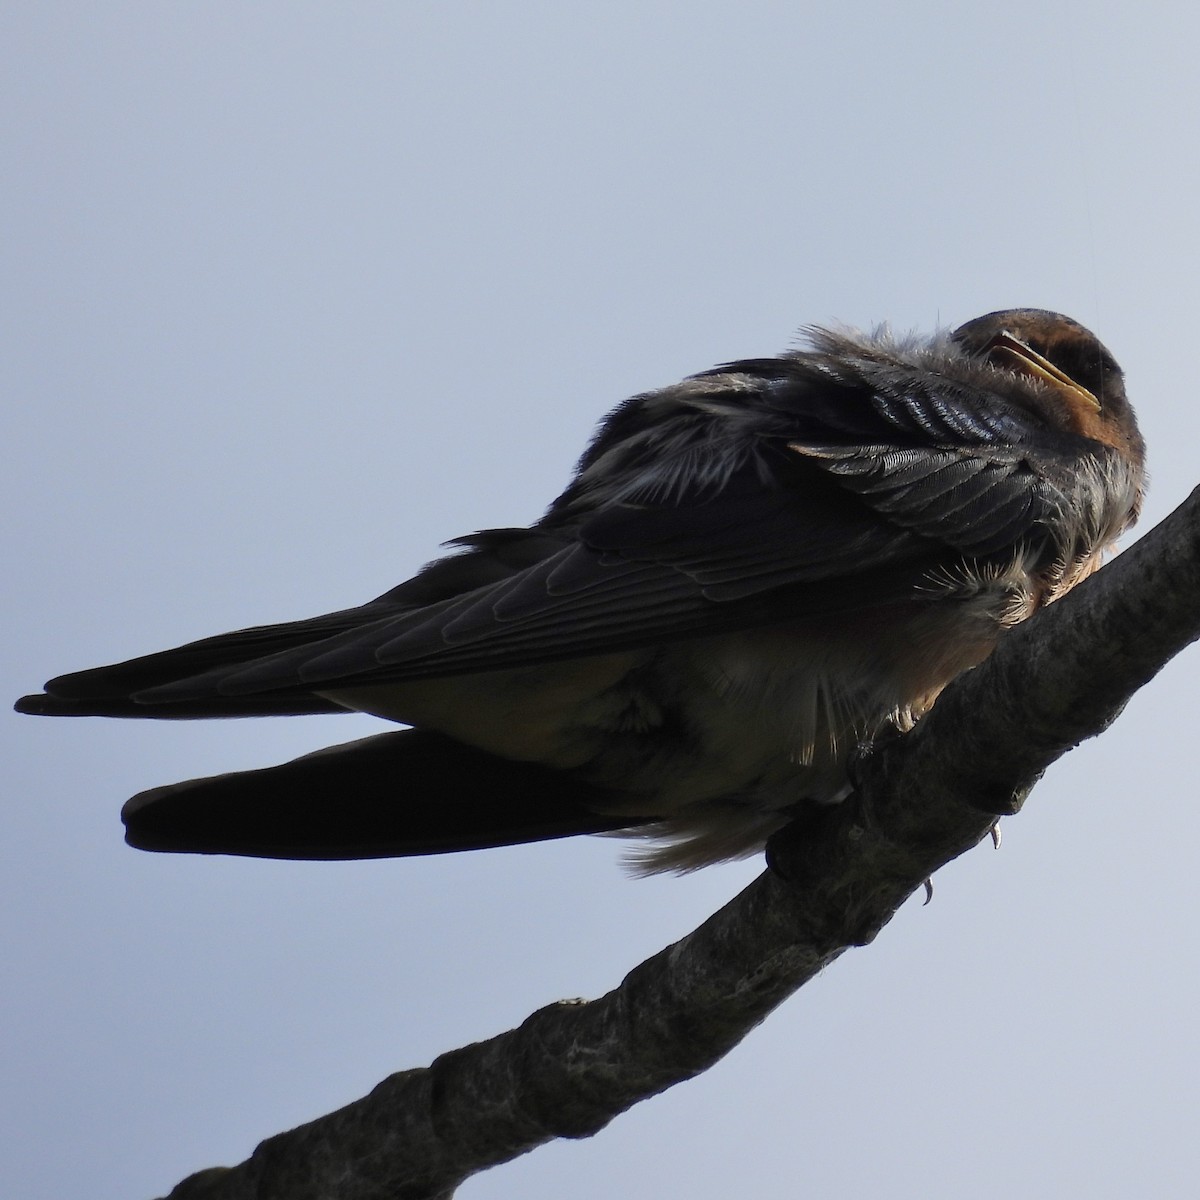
{"type": "Point", "coordinates": [787, 848]}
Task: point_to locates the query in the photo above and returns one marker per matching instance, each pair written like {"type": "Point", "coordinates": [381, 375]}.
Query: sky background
{"type": "Point", "coordinates": [295, 292]}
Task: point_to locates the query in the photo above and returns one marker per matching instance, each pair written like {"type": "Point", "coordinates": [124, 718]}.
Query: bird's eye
{"type": "Point", "coordinates": [1089, 366]}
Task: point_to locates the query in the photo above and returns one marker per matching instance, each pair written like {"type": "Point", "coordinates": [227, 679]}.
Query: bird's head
{"type": "Point", "coordinates": [1077, 382]}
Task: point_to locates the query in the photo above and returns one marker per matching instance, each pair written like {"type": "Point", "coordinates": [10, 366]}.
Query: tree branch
{"type": "Point", "coordinates": [922, 799]}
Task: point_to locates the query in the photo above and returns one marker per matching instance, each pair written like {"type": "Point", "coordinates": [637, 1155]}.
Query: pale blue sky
{"type": "Point", "coordinates": [293, 293]}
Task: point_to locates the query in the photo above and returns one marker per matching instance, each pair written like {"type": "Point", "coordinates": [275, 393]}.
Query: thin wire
{"type": "Point", "coordinates": [1085, 176]}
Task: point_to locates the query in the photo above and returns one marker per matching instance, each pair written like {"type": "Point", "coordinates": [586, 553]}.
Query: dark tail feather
{"type": "Point", "coordinates": [394, 794]}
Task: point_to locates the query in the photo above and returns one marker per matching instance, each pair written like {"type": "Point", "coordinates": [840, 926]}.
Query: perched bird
{"type": "Point", "coordinates": [751, 573]}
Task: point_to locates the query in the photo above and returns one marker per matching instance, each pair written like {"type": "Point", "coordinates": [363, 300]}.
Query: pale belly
{"type": "Point", "coordinates": [718, 738]}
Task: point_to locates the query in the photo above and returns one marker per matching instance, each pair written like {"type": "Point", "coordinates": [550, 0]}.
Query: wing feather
{"type": "Point", "coordinates": [828, 496]}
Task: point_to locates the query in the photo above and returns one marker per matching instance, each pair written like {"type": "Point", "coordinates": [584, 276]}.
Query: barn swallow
{"type": "Point", "coordinates": [751, 573]}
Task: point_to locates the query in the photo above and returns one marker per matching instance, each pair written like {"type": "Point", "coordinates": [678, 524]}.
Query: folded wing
{"type": "Point", "coordinates": [821, 502]}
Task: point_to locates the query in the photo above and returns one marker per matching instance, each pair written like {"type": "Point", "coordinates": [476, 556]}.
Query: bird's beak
{"type": "Point", "coordinates": [1021, 357]}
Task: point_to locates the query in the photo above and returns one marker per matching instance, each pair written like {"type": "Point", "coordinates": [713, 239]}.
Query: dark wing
{"type": "Point", "coordinates": [108, 691]}
{"type": "Point", "coordinates": [741, 506]}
